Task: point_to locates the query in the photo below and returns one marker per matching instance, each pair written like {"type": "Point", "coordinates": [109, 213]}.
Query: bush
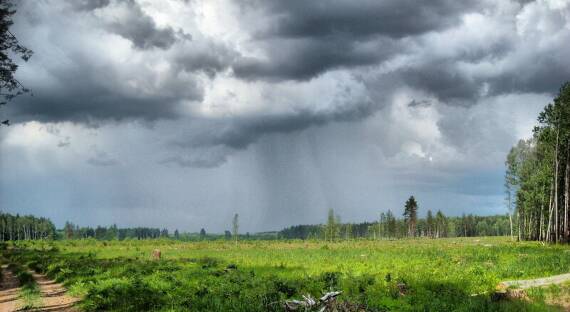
{"type": "Point", "coordinates": [119, 294]}
{"type": "Point", "coordinates": [25, 278]}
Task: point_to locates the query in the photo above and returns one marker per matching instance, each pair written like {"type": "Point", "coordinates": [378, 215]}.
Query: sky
{"type": "Point", "coordinates": [180, 113]}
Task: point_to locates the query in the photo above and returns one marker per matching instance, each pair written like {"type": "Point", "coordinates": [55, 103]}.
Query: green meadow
{"type": "Point", "coordinates": [455, 274]}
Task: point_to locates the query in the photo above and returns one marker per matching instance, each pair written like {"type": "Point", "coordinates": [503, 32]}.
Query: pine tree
{"type": "Point", "coordinates": [330, 228]}
{"type": "Point", "coordinates": [440, 225]}
{"type": "Point", "coordinates": [411, 215]}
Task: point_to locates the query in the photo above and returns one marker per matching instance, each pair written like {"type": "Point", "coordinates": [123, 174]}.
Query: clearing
{"type": "Point", "coordinates": [376, 275]}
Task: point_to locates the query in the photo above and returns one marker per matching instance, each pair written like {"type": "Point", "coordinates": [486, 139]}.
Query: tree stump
{"type": "Point", "coordinates": [504, 293]}
{"type": "Point", "coordinates": [155, 254]}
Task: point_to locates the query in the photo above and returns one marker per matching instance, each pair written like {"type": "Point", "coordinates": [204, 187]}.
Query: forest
{"type": "Point", "coordinates": [16, 227]}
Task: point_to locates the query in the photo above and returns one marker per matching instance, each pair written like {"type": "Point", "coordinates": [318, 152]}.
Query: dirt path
{"type": "Point", "coordinates": [9, 291]}
{"type": "Point", "coordinates": [538, 282]}
{"type": "Point", "coordinates": [54, 296]}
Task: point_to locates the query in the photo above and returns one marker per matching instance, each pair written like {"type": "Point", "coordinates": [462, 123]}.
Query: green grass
{"type": "Point", "coordinates": [436, 275]}
{"type": "Point", "coordinates": [30, 295]}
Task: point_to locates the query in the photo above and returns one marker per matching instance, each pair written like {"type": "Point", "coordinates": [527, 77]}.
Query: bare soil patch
{"type": "Point", "coordinates": [9, 291]}
{"type": "Point", "coordinates": [538, 282]}
{"type": "Point", "coordinates": [54, 295]}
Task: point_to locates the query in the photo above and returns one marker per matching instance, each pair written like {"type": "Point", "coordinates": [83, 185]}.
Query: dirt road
{"type": "Point", "coordinates": [538, 282]}
{"type": "Point", "coordinates": [9, 291]}
{"type": "Point", "coordinates": [54, 296]}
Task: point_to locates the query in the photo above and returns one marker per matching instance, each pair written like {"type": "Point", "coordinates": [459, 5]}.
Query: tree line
{"type": "Point", "coordinates": [16, 227]}
{"type": "Point", "coordinates": [73, 231]}
{"type": "Point", "coordinates": [389, 226]}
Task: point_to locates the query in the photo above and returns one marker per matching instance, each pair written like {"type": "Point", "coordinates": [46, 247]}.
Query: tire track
{"type": "Point", "coordinates": [9, 291]}
{"type": "Point", "coordinates": [54, 295]}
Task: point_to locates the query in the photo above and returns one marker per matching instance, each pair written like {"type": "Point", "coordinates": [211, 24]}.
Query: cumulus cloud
{"type": "Point", "coordinates": [302, 40]}
{"type": "Point", "coordinates": [293, 65]}
{"type": "Point", "coordinates": [128, 20]}
{"type": "Point", "coordinates": [391, 18]}
{"type": "Point", "coordinates": [277, 105]}
{"type": "Point", "coordinates": [83, 72]}
{"type": "Point", "coordinates": [498, 51]}
{"type": "Point", "coordinates": [118, 60]}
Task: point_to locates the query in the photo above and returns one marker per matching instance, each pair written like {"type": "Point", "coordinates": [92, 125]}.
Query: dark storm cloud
{"type": "Point", "coordinates": [88, 93]}
{"type": "Point", "coordinates": [210, 59]}
{"type": "Point", "coordinates": [90, 107]}
{"type": "Point", "coordinates": [140, 29]}
{"type": "Point", "coordinates": [544, 74]}
{"type": "Point", "coordinates": [356, 20]}
{"type": "Point", "coordinates": [88, 5]}
{"type": "Point", "coordinates": [440, 79]}
{"type": "Point", "coordinates": [308, 38]}
{"type": "Point", "coordinates": [82, 85]}
{"type": "Point", "coordinates": [134, 24]}
{"type": "Point", "coordinates": [279, 111]}
{"type": "Point", "coordinates": [304, 58]}
{"type": "Point", "coordinates": [523, 2]}
{"type": "Point", "coordinates": [239, 133]}
{"type": "Point", "coordinates": [202, 161]}
{"type": "Point", "coordinates": [301, 41]}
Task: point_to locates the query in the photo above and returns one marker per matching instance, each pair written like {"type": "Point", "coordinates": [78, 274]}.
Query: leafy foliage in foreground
{"type": "Point", "coordinates": [403, 275]}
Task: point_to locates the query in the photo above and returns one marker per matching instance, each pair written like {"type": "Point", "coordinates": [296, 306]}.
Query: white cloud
{"type": "Point", "coordinates": [122, 123]}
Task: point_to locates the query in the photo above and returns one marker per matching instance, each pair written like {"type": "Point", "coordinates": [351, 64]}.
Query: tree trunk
{"type": "Point", "coordinates": [541, 222]}
{"type": "Point", "coordinates": [557, 163]}
{"type": "Point", "coordinates": [566, 196]}
{"type": "Point", "coordinates": [510, 212]}
{"type": "Point", "coordinates": [550, 209]}
{"type": "Point", "coordinates": [519, 225]}
{"type": "Point", "coordinates": [511, 224]}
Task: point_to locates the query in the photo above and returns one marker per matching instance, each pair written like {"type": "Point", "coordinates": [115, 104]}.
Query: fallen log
{"type": "Point", "coordinates": [309, 302]}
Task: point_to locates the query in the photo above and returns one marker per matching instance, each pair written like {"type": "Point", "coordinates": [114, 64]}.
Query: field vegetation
{"type": "Point", "coordinates": [452, 274]}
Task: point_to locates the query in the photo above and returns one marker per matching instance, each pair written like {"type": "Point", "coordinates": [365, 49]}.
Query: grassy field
{"type": "Point", "coordinates": [402, 275]}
